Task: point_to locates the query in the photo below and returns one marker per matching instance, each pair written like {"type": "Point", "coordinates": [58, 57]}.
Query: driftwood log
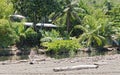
{"type": "Point", "coordinates": [75, 67]}
{"type": "Point", "coordinates": [100, 63]}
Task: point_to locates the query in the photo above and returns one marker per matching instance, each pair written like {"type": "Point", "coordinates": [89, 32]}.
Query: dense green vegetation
{"type": "Point", "coordinates": [62, 47]}
{"type": "Point", "coordinates": [92, 23]}
{"type": "Point", "coordinates": [35, 8]}
{"type": "Point", "coordinates": [6, 9]}
{"type": "Point", "coordinates": [7, 34]}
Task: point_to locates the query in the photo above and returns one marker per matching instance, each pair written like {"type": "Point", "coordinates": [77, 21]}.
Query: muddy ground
{"type": "Point", "coordinates": [108, 65]}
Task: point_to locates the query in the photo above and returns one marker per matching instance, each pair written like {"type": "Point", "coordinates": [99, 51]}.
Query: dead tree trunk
{"type": "Point", "coordinates": [75, 67]}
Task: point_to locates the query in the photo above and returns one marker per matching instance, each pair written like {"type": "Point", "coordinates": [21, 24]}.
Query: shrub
{"type": "Point", "coordinates": [19, 30]}
{"type": "Point", "coordinates": [7, 34]}
{"type": "Point", "coordinates": [27, 37]}
{"type": "Point", "coordinates": [32, 37]}
{"type": "Point", "coordinates": [60, 47]}
{"type": "Point", "coordinates": [48, 36]}
{"type": "Point", "coordinates": [46, 39]}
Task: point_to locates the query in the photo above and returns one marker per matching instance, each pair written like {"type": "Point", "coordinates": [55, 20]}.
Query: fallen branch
{"type": "Point", "coordinates": [100, 63]}
{"type": "Point", "coordinates": [75, 67]}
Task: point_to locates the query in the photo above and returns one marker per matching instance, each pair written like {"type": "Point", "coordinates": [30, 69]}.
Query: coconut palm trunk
{"type": "Point", "coordinates": [68, 22]}
{"type": "Point", "coordinates": [68, 14]}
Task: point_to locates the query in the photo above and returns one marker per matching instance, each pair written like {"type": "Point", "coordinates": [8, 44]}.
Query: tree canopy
{"type": "Point", "coordinates": [96, 20]}
{"type": "Point", "coordinates": [35, 8]}
{"type": "Point", "coordinates": [6, 8]}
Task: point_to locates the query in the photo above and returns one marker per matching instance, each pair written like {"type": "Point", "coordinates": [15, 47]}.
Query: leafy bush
{"type": "Point", "coordinates": [31, 38]}
{"type": "Point", "coordinates": [48, 36]}
{"type": "Point", "coordinates": [59, 47]}
{"type": "Point", "coordinates": [7, 34]}
{"type": "Point", "coordinates": [27, 37]}
{"type": "Point", "coordinates": [19, 30]}
{"type": "Point", "coordinates": [46, 39]}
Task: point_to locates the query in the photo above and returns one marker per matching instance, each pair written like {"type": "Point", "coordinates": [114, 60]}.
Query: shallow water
{"type": "Point", "coordinates": [97, 53]}
{"type": "Point", "coordinates": [14, 57]}
{"type": "Point", "coordinates": [87, 54]}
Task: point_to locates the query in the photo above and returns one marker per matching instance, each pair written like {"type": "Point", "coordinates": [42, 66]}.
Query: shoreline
{"type": "Point", "coordinates": [108, 65]}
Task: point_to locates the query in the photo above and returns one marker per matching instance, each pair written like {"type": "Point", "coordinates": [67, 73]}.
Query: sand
{"type": "Point", "coordinates": [108, 65]}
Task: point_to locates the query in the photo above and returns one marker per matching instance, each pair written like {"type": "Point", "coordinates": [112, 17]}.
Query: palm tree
{"type": "Point", "coordinates": [98, 29]}
{"type": "Point", "coordinates": [69, 12]}
{"type": "Point", "coordinates": [91, 35]}
{"type": "Point", "coordinates": [112, 29]}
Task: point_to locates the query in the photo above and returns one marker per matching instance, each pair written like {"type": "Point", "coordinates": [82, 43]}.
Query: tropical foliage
{"type": "Point", "coordinates": [60, 47]}
{"type": "Point", "coordinates": [35, 9]}
{"type": "Point", "coordinates": [67, 14]}
{"type": "Point", "coordinates": [94, 23]}
{"type": "Point", "coordinates": [7, 34]}
{"type": "Point", "coordinates": [49, 36]}
{"type": "Point", "coordinates": [6, 8]}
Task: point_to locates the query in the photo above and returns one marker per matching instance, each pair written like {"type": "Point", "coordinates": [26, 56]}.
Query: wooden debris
{"type": "Point", "coordinates": [75, 67]}
{"type": "Point", "coordinates": [100, 63]}
{"type": "Point", "coordinates": [110, 49]}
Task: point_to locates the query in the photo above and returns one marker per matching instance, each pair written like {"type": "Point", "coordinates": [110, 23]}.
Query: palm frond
{"type": "Point", "coordinates": [82, 37]}
{"type": "Point", "coordinates": [98, 40]}
{"type": "Point", "coordinates": [89, 40]}
{"type": "Point", "coordinates": [83, 28]}
{"type": "Point", "coordinates": [75, 15]}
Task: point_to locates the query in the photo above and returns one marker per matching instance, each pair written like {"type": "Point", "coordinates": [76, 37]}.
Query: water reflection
{"type": "Point", "coordinates": [97, 53]}
{"type": "Point", "coordinates": [79, 54]}
{"type": "Point", "coordinates": [13, 58]}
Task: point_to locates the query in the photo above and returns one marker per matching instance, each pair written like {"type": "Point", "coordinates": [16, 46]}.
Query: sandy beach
{"type": "Point", "coordinates": [108, 65]}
